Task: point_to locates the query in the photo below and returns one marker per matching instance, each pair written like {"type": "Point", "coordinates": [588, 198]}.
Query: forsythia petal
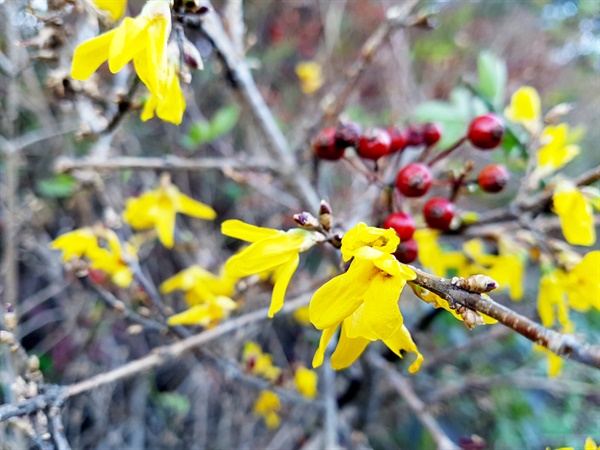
{"type": "Point", "coordinates": [306, 382]}
{"type": "Point", "coordinates": [576, 216]}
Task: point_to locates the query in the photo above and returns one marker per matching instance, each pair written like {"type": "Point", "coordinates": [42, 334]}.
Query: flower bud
{"type": "Point", "coordinates": [476, 283]}
{"type": "Point", "coordinates": [325, 215]}
{"type": "Point", "coordinates": [306, 220]}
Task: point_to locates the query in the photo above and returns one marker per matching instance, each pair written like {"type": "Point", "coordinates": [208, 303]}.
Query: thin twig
{"type": "Point", "coordinates": [564, 345]}
{"type": "Point", "coordinates": [159, 356]}
{"type": "Point", "coordinates": [402, 386]}
{"type": "Point", "coordinates": [65, 165]}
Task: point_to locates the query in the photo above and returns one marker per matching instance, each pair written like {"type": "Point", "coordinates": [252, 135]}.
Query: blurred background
{"type": "Point", "coordinates": [486, 387]}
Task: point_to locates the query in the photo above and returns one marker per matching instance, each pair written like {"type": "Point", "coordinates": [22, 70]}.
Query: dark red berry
{"type": "Point", "coordinates": [432, 133]}
{"type": "Point", "coordinates": [374, 144]}
{"type": "Point", "coordinates": [438, 213]}
{"type": "Point", "coordinates": [403, 224]}
{"type": "Point", "coordinates": [398, 139]}
{"type": "Point", "coordinates": [324, 145]}
{"type": "Point", "coordinates": [414, 180]}
{"type": "Point", "coordinates": [407, 251]}
{"type": "Point", "coordinates": [347, 134]}
{"type": "Point", "coordinates": [97, 276]}
{"type": "Point", "coordinates": [486, 132]}
{"type": "Point", "coordinates": [414, 136]}
{"type": "Point", "coordinates": [493, 178]}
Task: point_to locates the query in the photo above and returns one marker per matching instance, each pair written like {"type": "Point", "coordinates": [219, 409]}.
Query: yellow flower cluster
{"type": "Point", "coordinates": [363, 302]}
{"type": "Point", "coordinates": [590, 444]}
{"type": "Point", "coordinates": [102, 248]}
{"type": "Point", "coordinates": [157, 209]}
{"type": "Point", "coordinates": [259, 363]}
{"type": "Point", "coordinates": [561, 290]}
{"type": "Point", "coordinates": [208, 295]}
{"type": "Point", "coordinates": [507, 268]}
{"type": "Point", "coordinates": [143, 40]}
{"type": "Point", "coordinates": [267, 406]}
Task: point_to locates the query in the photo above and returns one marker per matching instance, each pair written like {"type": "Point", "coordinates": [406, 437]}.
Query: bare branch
{"type": "Point", "coordinates": [166, 163]}
{"type": "Point", "coordinates": [564, 345]}
{"type": "Point", "coordinates": [403, 387]}
{"type": "Point", "coordinates": [55, 395]}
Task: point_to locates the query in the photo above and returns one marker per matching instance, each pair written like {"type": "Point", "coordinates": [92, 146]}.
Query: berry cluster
{"type": "Point", "coordinates": [484, 133]}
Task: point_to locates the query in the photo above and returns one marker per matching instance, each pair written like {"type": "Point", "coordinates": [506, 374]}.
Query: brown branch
{"type": "Point", "coordinates": [65, 165]}
{"type": "Point", "coordinates": [241, 80]}
{"type": "Point", "coordinates": [55, 395]}
{"type": "Point", "coordinates": [417, 406]}
{"type": "Point", "coordinates": [564, 345]}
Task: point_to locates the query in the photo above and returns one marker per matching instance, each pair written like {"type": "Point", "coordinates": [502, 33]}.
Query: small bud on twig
{"type": "Point", "coordinates": [325, 216]}
{"type": "Point", "coordinates": [307, 220]}
{"type": "Point", "coordinates": [475, 283]}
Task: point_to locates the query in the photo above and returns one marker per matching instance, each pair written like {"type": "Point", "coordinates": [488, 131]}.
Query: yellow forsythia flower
{"type": "Point", "coordinates": [271, 251]}
{"type": "Point", "coordinates": [555, 362]}
{"type": "Point", "coordinates": [552, 302]}
{"type": "Point", "coordinates": [199, 285]}
{"type": "Point", "coordinates": [433, 258]}
{"type": "Point", "coordinates": [310, 75]}
{"type": "Point", "coordinates": [584, 283]}
{"type": "Point", "coordinates": [364, 300]}
{"type": "Point", "coordinates": [168, 102]}
{"type": "Point", "coordinates": [259, 363]}
{"type": "Point", "coordinates": [302, 315]}
{"type": "Point", "coordinates": [576, 215]}
{"type": "Point", "coordinates": [591, 445]}
{"type": "Point", "coordinates": [116, 8]}
{"type": "Point", "coordinates": [267, 406]}
{"type": "Point", "coordinates": [142, 39]}
{"type": "Point", "coordinates": [525, 108]}
{"type": "Point", "coordinates": [111, 259]}
{"type": "Point", "coordinates": [306, 381]}
{"type": "Point", "coordinates": [157, 209]}
{"type": "Point", "coordinates": [206, 314]}
{"type": "Point", "coordinates": [557, 149]}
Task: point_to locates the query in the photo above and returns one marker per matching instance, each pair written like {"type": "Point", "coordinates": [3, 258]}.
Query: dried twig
{"type": "Point", "coordinates": [402, 386]}
{"type": "Point", "coordinates": [173, 163]}
{"type": "Point", "coordinates": [564, 345]}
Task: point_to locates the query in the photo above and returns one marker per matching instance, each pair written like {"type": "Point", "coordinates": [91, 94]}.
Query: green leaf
{"type": "Point", "coordinates": [174, 402]}
{"type": "Point", "coordinates": [492, 78]}
{"type": "Point", "coordinates": [60, 186]}
{"type": "Point", "coordinates": [223, 121]}
{"type": "Point", "coordinates": [198, 134]}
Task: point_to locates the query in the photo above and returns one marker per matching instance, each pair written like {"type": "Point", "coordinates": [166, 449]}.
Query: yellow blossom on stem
{"type": "Point", "coordinates": [310, 75]}
{"type": "Point", "coordinates": [306, 381]}
{"type": "Point", "coordinates": [206, 314]}
{"type": "Point", "coordinates": [115, 8]}
{"type": "Point", "coordinates": [584, 283]}
{"type": "Point", "coordinates": [302, 315]}
{"type": "Point", "coordinates": [434, 259]}
{"type": "Point", "coordinates": [557, 149]}
{"type": "Point", "coordinates": [555, 362]}
{"type": "Point", "coordinates": [142, 39]}
{"type": "Point", "coordinates": [552, 302]}
{"type": "Point", "coordinates": [157, 209]}
{"type": "Point", "coordinates": [525, 108]}
{"type": "Point", "coordinates": [590, 444]}
{"type": "Point", "coordinates": [199, 285]}
{"type": "Point", "coordinates": [102, 248]}
{"type": "Point", "coordinates": [271, 251]}
{"type": "Point", "coordinates": [267, 406]}
{"type": "Point", "coordinates": [259, 363]}
{"type": "Point", "coordinates": [168, 103]}
{"type": "Point", "coordinates": [576, 215]}
{"type": "Point", "coordinates": [364, 300]}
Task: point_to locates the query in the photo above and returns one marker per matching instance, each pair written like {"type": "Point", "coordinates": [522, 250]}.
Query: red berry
{"type": "Point", "coordinates": [438, 213]}
{"type": "Point", "coordinates": [493, 178]}
{"type": "Point", "coordinates": [347, 134]}
{"type": "Point", "coordinates": [324, 145]}
{"type": "Point", "coordinates": [486, 132]}
{"type": "Point", "coordinates": [97, 276]}
{"type": "Point", "coordinates": [414, 180]}
{"type": "Point", "coordinates": [407, 251]}
{"type": "Point", "coordinates": [414, 136]}
{"type": "Point", "coordinates": [398, 139]}
{"type": "Point", "coordinates": [432, 133]}
{"type": "Point", "coordinates": [403, 224]}
{"type": "Point", "coordinates": [374, 144]}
